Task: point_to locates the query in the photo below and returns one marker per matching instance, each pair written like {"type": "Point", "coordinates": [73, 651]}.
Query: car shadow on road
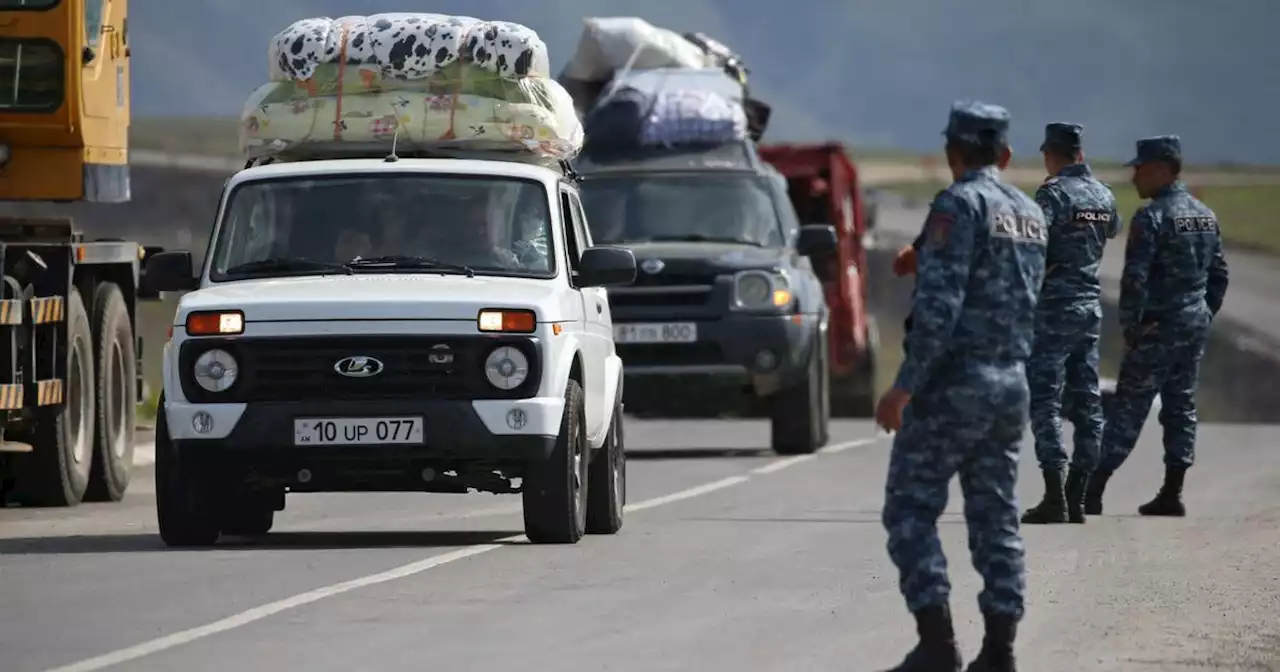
{"type": "Point", "coordinates": [696, 453]}
{"type": "Point", "coordinates": [289, 541]}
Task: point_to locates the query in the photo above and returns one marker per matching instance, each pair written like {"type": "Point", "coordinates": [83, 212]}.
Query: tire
{"type": "Point", "coordinates": [855, 394]}
{"type": "Point", "coordinates": [186, 503]}
{"type": "Point", "coordinates": [607, 481]}
{"type": "Point", "coordinates": [800, 413]}
{"type": "Point", "coordinates": [57, 472]}
{"type": "Point", "coordinates": [555, 490]}
{"type": "Point", "coordinates": [248, 521]}
{"type": "Point", "coordinates": [117, 393]}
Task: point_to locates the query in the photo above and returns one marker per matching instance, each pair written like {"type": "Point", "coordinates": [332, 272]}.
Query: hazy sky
{"type": "Point", "coordinates": [870, 72]}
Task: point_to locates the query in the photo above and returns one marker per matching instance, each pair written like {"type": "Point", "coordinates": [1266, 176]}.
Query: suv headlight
{"type": "Point", "coordinates": [759, 290]}
{"type": "Point", "coordinates": [506, 368]}
{"type": "Point", "coordinates": [215, 370]}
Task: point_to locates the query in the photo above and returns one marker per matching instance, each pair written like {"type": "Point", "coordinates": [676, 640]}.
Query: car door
{"type": "Point", "coordinates": [597, 340]}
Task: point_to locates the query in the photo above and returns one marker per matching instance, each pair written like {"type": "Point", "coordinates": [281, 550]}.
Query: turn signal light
{"type": "Point", "coordinates": [781, 297]}
{"type": "Point", "coordinates": [508, 321]}
{"type": "Point", "coordinates": [215, 323]}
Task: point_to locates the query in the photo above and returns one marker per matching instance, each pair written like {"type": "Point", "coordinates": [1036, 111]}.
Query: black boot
{"type": "Point", "coordinates": [1053, 508]}
{"type": "Point", "coordinates": [997, 646]}
{"type": "Point", "coordinates": [1074, 491]}
{"type": "Point", "coordinates": [937, 650]}
{"type": "Point", "coordinates": [1168, 501]}
{"type": "Point", "coordinates": [1093, 493]}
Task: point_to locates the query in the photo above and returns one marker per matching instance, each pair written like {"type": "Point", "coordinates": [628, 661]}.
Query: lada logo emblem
{"type": "Point", "coordinates": [652, 266]}
{"type": "Point", "coordinates": [358, 367]}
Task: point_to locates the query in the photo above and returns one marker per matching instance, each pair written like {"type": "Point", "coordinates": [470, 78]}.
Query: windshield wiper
{"type": "Point", "coordinates": [700, 238]}
{"type": "Point", "coordinates": [410, 261]}
{"type": "Point", "coordinates": [285, 264]}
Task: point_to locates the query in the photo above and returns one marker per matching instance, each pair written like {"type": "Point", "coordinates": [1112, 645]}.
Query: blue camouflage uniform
{"type": "Point", "coordinates": [1174, 283]}
{"type": "Point", "coordinates": [980, 268]}
{"type": "Point", "coordinates": [1081, 214]}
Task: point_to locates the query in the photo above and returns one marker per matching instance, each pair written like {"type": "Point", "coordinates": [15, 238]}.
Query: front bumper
{"type": "Point", "coordinates": [458, 435]}
{"type": "Point", "coordinates": [773, 347]}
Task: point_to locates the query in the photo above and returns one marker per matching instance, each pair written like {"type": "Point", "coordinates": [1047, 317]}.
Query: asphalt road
{"type": "Point", "coordinates": [730, 559]}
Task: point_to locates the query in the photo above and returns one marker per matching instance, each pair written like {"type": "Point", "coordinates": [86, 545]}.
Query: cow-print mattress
{"type": "Point", "coordinates": [407, 46]}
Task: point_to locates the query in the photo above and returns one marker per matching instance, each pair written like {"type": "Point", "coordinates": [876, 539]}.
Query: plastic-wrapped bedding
{"type": "Point", "coordinates": [405, 46]}
{"type": "Point", "coordinates": [424, 79]}
{"type": "Point", "coordinates": [693, 116]}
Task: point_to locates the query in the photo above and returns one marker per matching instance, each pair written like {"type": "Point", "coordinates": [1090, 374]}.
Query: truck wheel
{"type": "Point", "coordinates": [855, 394]}
{"type": "Point", "coordinates": [800, 413]}
{"type": "Point", "coordinates": [555, 491]}
{"type": "Point", "coordinates": [607, 481]}
{"type": "Point", "coordinates": [116, 392]}
{"type": "Point", "coordinates": [57, 472]}
{"type": "Point", "coordinates": [186, 509]}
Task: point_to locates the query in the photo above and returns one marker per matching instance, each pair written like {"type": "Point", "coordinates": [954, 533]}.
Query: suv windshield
{"type": "Point", "coordinates": [380, 223]}
{"type": "Point", "coordinates": [694, 207]}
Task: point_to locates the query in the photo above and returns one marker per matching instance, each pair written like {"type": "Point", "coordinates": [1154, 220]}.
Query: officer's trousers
{"type": "Point", "coordinates": [969, 421]}
{"type": "Point", "coordinates": [1064, 366]}
{"type": "Point", "coordinates": [1165, 360]}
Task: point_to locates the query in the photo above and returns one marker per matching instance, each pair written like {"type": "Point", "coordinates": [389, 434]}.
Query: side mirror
{"type": "Point", "coordinates": [817, 239]}
{"type": "Point", "coordinates": [601, 266]}
{"type": "Point", "coordinates": [170, 272]}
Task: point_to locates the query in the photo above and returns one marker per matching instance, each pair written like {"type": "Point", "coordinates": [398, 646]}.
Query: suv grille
{"type": "Point", "coordinates": [302, 368]}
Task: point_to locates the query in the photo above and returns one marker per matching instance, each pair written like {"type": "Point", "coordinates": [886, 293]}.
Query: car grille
{"type": "Point", "coordinates": [302, 369]}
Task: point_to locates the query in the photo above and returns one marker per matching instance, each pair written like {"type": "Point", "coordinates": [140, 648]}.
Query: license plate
{"type": "Point", "coordinates": [656, 332]}
{"type": "Point", "coordinates": [356, 431]}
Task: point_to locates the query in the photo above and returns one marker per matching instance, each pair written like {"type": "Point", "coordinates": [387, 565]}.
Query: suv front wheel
{"type": "Point", "coordinates": [555, 490]}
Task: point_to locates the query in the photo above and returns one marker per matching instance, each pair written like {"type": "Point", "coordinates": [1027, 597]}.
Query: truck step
{"type": "Point", "coordinates": [10, 397]}
{"type": "Point", "coordinates": [48, 309]}
{"type": "Point", "coordinates": [15, 447]}
{"type": "Point", "coordinates": [49, 392]}
{"type": "Point", "coordinates": [11, 312]}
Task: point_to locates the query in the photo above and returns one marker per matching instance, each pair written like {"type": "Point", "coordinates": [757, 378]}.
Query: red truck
{"type": "Point", "coordinates": [823, 184]}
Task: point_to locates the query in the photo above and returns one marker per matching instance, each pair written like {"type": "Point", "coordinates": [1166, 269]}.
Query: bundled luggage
{"type": "Point", "coordinates": [424, 80]}
{"type": "Point", "coordinates": [613, 49]}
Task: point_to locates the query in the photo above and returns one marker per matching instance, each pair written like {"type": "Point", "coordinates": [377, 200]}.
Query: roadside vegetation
{"type": "Point", "coordinates": [1248, 220]}
{"type": "Point", "coordinates": [1247, 213]}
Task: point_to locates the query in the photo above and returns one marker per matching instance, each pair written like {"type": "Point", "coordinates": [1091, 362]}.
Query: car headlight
{"type": "Point", "coordinates": [755, 290]}
{"type": "Point", "coordinates": [506, 368]}
{"type": "Point", "coordinates": [215, 370]}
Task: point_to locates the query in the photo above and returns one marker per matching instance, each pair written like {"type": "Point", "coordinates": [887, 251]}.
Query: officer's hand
{"type": "Point", "coordinates": [889, 410]}
{"type": "Point", "coordinates": [905, 262]}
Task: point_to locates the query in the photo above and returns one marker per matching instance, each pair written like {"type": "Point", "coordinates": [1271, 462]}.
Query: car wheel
{"type": "Point", "coordinates": [555, 490]}
{"type": "Point", "coordinates": [607, 491]}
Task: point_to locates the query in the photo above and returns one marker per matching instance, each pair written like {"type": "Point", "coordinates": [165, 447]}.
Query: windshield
{"type": "Point", "coordinates": [401, 223]}
{"type": "Point", "coordinates": [713, 207]}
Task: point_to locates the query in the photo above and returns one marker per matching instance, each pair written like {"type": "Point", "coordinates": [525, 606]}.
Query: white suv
{"type": "Point", "coordinates": [428, 325]}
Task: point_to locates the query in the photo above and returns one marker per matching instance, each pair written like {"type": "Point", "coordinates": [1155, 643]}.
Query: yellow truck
{"type": "Point", "coordinates": [69, 373]}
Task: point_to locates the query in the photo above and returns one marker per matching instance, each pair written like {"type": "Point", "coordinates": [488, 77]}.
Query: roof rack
{"type": "Point", "coordinates": [401, 150]}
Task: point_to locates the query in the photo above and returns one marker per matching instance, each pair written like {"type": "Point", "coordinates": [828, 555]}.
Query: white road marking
{"type": "Point", "coordinates": [849, 445]}
{"type": "Point", "coordinates": [258, 613]}
{"type": "Point", "coordinates": [779, 465]}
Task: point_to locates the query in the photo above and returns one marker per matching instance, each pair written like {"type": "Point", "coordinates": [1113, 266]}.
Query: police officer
{"type": "Point", "coordinates": [1174, 282]}
{"type": "Point", "coordinates": [1081, 214]}
{"type": "Point", "coordinates": [960, 401]}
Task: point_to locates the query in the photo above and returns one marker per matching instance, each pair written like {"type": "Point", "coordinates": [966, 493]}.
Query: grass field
{"type": "Point", "coordinates": [1248, 220]}
{"type": "Point", "coordinates": [1247, 213]}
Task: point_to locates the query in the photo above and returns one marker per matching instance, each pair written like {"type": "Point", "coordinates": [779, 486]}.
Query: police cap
{"type": "Point", "coordinates": [1158, 148]}
{"type": "Point", "coordinates": [1062, 136]}
{"type": "Point", "coordinates": [977, 123]}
